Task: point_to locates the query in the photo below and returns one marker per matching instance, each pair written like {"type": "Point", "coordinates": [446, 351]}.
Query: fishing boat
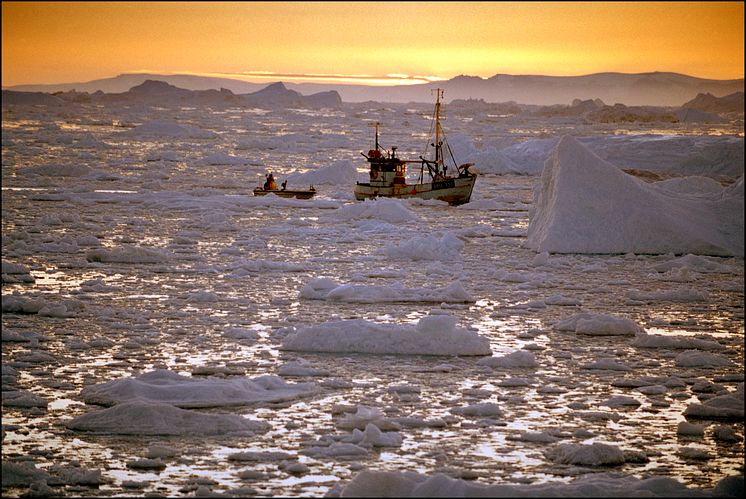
{"type": "Point", "coordinates": [286, 193]}
{"type": "Point", "coordinates": [270, 187]}
{"type": "Point", "coordinates": [388, 172]}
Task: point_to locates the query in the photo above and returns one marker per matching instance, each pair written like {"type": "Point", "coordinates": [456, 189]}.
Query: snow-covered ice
{"type": "Point", "coordinates": [585, 205]}
{"type": "Point", "coordinates": [432, 335]}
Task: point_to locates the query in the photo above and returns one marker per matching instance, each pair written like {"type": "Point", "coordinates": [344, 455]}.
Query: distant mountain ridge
{"type": "Point", "coordinates": [125, 81]}
{"type": "Point", "coordinates": [155, 92]}
{"type": "Point", "coordinates": [639, 89]}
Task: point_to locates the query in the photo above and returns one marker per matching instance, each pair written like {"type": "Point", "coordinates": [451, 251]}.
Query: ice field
{"type": "Point", "coordinates": [574, 330]}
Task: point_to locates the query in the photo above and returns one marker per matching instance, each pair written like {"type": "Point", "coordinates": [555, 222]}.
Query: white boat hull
{"type": "Point", "coordinates": [454, 191]}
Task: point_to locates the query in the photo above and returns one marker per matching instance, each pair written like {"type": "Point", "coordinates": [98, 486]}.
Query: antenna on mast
{"type": "Point", "coordinates": [375, 124]}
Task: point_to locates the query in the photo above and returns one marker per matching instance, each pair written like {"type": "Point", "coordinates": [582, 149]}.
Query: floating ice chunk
{"type": "Point", "coordinates": [428, 247]}
{"type": "Point", "coordinates": [551, 389]}
{"type": "Point", "coordinates": [146, 464]}
{"type": "Point", "coordinates": [129, 254]}
{"type": "Point", "coordinates": [433, 335]}
{"type": "Point", "coordinates": [259, 457]}
{"type": "Point", "coordinates": [14, 268]}
{"type": "Point", "coordinates": [621, 401]}
{"type": "Point", "coordinates": [261, 266]}
{"type": "Point", "coordinates": [164, 155]}
{"type": "Point", "coordinates": [598, 325]}
{"type": "Point", "coordinates": [337, 449]}
{"type": "Point", "coordinates": [17, 270]}
{"type": "Point", "coordinates": [327, 289]}
{"type": "Point", "coordinates": [157, 451]}
{"type": "Point", "coordinates": [561, 300]}
{"type": "Point", "coordinates": [374, 437]}
{"type": "Point", "coordinates": [238, 333]}
{"type": "Point", "coordinates": [517, 359]}
{"type": "Point", "coordinates": [23, 474]}
{"type": "Point", "coordinates": [203, 297]}
{"type": "Point", "coordinates": [385, 210]}
{"type": "Point", "coordinates": [694, 454]}
{"type": "Point", "coordinates": [480, 204]}
{"type": "Point", "coordinates": [19, 398]}
{"type": "Point", "coordinates": [486, 409]}
{"type": "Point", "coordinates": [300, 369]}
{"type": "Point", "coordinates": [695, 263]}
{"type": "Point", "coordinates": [690, 429]}
{"type": "Point", "coordinates": [537, 437]}
{"type": "Point", "coordinates": [652, 390]}
{"type": "Point", "coordinates": [666, 381]}
{"type": "Point", "coordinates": [644, 340]}
{"type": "Point", "coordinates": [541, 259]}
{"type": "Point", "coordinates": [166, 129]}
{"type": "Point", "coordinates": [88, 240]}
{"type": "Point", "coordinates": [22, 304]}
{"type": "Point", "coordinates": [221, 158]}
{"type": "Point", "coordinates": [727, 406]}
{"type": "Point", "coordinates": [169, 387]}
{"type": "Point", "coordinates": [725, 433]}
{"type": "Point", "coordinates": [153, 418]}
{"type": "Point", "coordinates": [596, 454]}
{"type": "Point", "coordinates": [514, 382]}
{"type": "Point", "coordinates": [318, 288]}
{"type": "Point", "coordinates": [365, 416]}
{"type": "Point", "coordinates": [606, 365]}
{"type": "Point", "coordinates": [694, 358]}
{"type": "Point", "coordinates": [74, 170]}
{"type": "Point", "coordinates": [682, 295]}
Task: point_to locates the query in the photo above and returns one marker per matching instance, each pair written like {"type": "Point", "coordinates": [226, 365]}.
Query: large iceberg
{"type": "Point", "coordinates": [582, 204]}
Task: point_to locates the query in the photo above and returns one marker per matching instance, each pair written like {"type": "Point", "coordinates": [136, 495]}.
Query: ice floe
{"type": "Point", "coordinates": [169, 387]}
{"type": "Point", "coordinates": [156, 418]}
{"type": "Point", "coordinates": [432, 335]}
{"type": "Point", "coordinates": [330, 290]}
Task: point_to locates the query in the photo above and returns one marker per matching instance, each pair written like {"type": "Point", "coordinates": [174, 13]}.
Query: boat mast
{"type": "Point", "coordinates": [438, 150]}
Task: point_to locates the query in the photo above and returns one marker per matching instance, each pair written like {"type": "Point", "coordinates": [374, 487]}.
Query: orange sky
{"type": "Point", "coordinates": [60, 42]}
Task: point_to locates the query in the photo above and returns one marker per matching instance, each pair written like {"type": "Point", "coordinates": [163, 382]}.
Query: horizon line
{"type": "Point", "coordinates": [391, 79]}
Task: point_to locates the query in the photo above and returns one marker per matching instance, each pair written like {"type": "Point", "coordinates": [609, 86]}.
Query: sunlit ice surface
{"type": "Point", "coordinates": [133, 317]}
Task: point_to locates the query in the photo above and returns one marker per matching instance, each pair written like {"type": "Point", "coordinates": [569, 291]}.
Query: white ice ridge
{"type": "Point", "coordinates": [330, 290]}
{"type": "Point", "coordinates": [433, 335]}
{"type": "Point", "coordinates": [169, 387]}
{"type": "Point", "coordinates": [582, 204]}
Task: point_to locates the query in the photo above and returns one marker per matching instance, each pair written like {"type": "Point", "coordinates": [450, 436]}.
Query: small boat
{"type": "Point", "coordinates": [286, 193]}
{"type": "Point", "coordinates": [388, 172]}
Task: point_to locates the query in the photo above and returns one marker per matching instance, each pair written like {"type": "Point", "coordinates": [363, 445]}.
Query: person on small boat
{"type": "Point", "coordinates": [284, 185]}
{"type": "Point", "coordinates": [269, 184]}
